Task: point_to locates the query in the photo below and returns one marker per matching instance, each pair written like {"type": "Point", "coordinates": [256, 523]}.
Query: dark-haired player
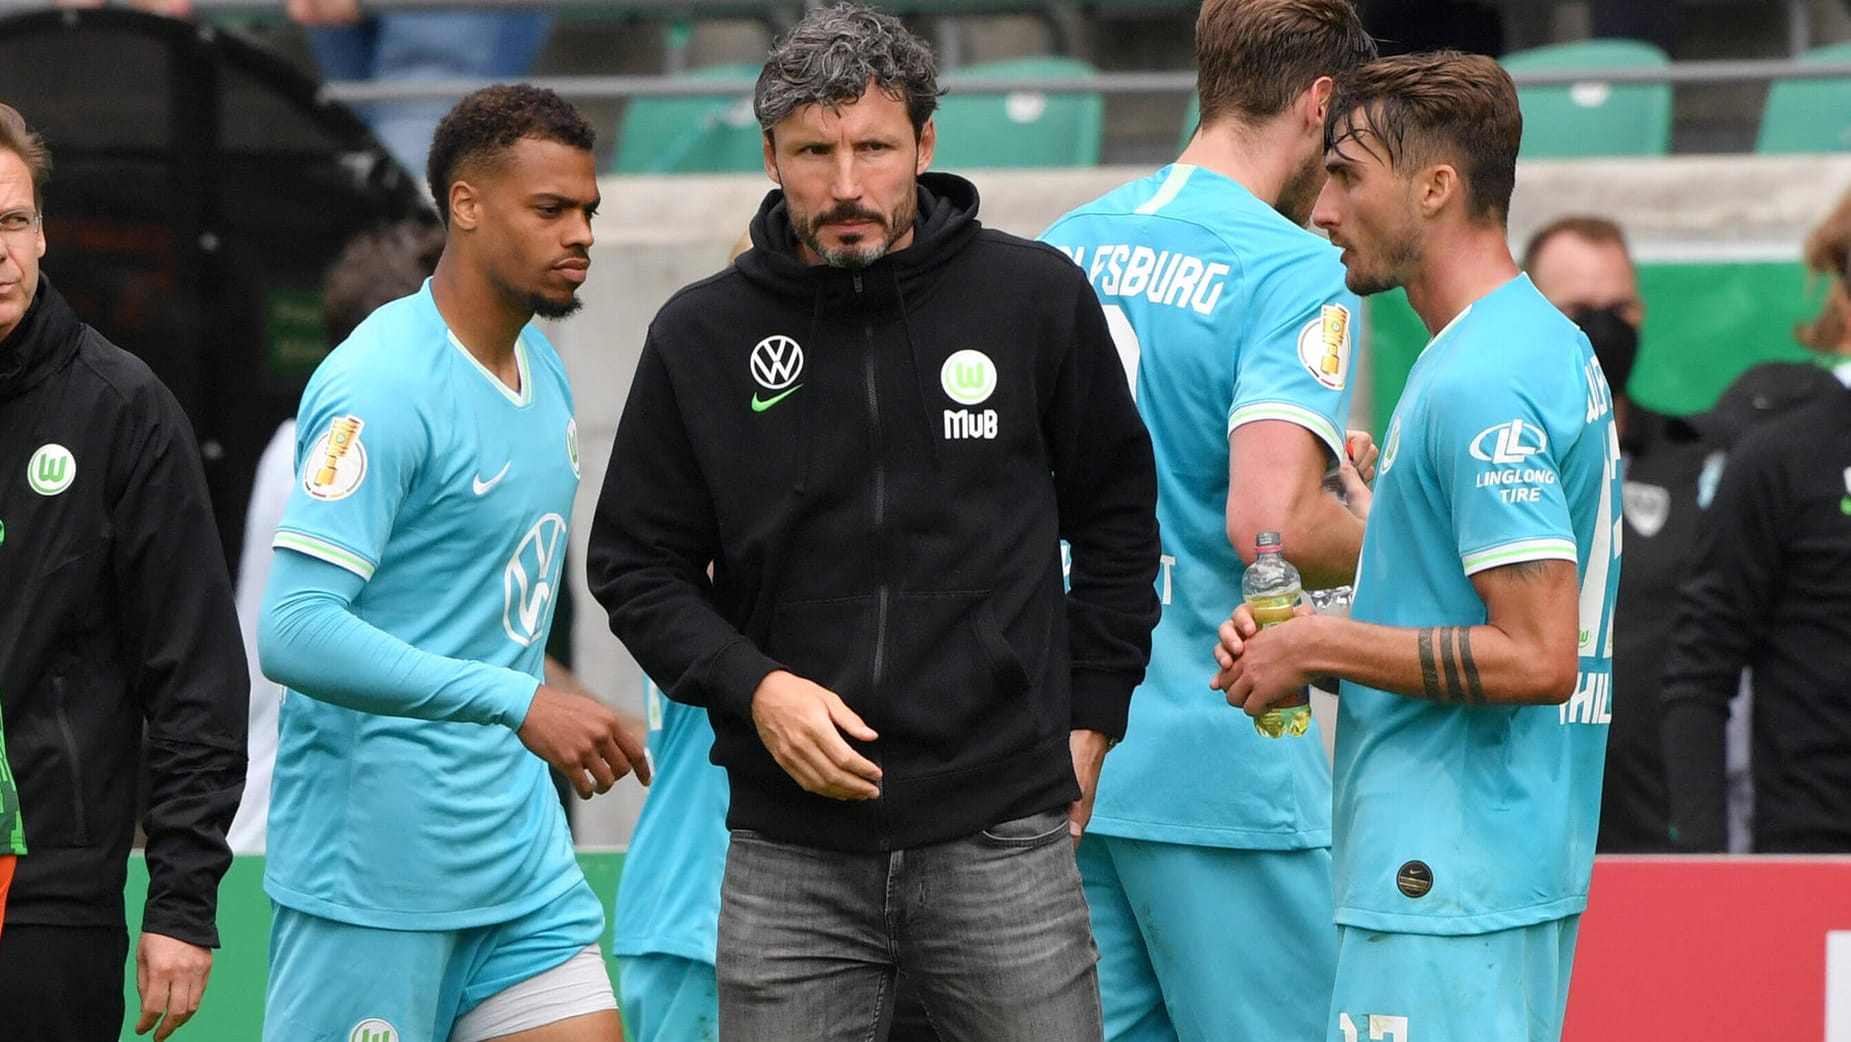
{"type": "Point", "coordinates": [423, 873]}
{"type": "Point", "coordinates": [1478, 657]}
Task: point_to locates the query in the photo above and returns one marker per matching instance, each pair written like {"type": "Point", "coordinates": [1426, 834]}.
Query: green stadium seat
{"type": "Point", "coordinates": [1809, 115]}
{"type": "Point", "coordinates": [1019, 128]}
{"type": "Point", "coordinates": [699, 134]}
{"type": "Point", "coordinates": [1593, 118]}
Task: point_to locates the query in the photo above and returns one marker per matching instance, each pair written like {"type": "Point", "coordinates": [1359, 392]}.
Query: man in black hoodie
{"type": "Point", "coordinates": [878, 427]}
{"type": "Point", "coordinates": [116, 613]}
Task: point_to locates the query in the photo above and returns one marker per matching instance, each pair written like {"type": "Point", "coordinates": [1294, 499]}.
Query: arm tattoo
{"type": "Point", "coordinates": [1448, 658]}
{"type": "Point", "coordinates": [1452, 659]}
{"type": "Point", "coordinates": [1429, 672]}
{"type": "Point", "coordinates": [1474, 689]}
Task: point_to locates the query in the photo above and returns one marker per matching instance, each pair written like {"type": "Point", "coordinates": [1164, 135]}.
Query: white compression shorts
{"type": "Point", "coordinates": [578, 986]}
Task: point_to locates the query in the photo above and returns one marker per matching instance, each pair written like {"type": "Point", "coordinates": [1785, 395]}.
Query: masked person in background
{"type": "Point", "coordinates": [1582, 265]}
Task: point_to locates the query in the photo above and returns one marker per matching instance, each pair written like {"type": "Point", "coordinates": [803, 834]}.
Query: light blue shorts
{"type": "Point", "coordinates": [1511, 985]}
{"type": "Point", "coordinates": [336, 982]}
{"type": "Point", "coordinates": [1206, 944]}
{"type": "Point", "coordinates": [669, 999]}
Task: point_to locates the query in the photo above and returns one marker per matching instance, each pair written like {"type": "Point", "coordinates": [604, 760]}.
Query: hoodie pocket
{"type": "Point", "coordinates": [956, 687]}
{"type": "Point", "coordinates": [829, 642]}
{"type": "Point", "coordinates": [76, 833]}
{"type": "Point", "coordinates": [952, 686]}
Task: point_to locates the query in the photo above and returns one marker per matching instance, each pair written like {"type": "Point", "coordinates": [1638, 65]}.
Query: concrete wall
{"type": "Point", "coordinates": [658, 234]}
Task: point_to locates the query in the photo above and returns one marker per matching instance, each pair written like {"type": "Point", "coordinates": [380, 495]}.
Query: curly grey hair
{"type": "Point", "coordinates": [830, 57]}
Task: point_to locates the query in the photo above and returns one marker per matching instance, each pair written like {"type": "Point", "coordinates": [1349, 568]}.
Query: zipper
{"type": "Point", "coordinates": [880, 505]}
{"type": "Point", "coordinates": [79, 825]}
{"type": "Point", "coordinates": [884, 592]}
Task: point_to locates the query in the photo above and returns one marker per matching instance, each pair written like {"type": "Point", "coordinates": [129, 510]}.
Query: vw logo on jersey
{"type": "Point", "coordinates": [777, 362]}
{"type": "Point", "coordinates": [968, 377]}
{"type": "Point", "coordinates": [1511, 442]}
{"type": "Point", "coordinates": [531, 579]}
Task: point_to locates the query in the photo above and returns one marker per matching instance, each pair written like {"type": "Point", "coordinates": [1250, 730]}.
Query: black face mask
{"type": "Point", "coordinates": [1615, 340]}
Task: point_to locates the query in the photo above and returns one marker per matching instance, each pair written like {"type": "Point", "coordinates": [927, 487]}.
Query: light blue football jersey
{"type": "Point", "coordinates": [1224, 312]}
{"type": "Point", "coordinates": [668, 901]}
{"type": "Point", "coordinates": [449, 493]}
{"type": "Point", "coordinates": [1501, 450]}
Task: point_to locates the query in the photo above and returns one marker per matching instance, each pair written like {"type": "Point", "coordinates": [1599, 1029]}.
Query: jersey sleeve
{"type": "Point", "coordinates": [1296, 366]}
{"type": "Point", "coordinates": [360, 439]}
{"type": "Point", "coordinates": [1498, 466]}
{"type": "Point", "coordinates": [309, 639]}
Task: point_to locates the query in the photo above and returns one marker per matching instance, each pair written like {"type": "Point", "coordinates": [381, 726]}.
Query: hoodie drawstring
{"type": "Point", "coordinates": [920, 369]}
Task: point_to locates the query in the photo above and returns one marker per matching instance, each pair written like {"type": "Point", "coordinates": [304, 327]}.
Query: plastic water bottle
{"type": "Point", "coordinates": [1271, 589]}
{"type": "Point", "coordinates": [1336, 600]}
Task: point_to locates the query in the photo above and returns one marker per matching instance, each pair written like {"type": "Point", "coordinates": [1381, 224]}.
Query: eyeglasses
{"type": "Point", "coordinates": [19, 225]}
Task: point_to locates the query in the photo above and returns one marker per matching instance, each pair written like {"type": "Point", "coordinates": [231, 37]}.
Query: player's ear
{"type": "Point", "coordinates": [1315, 104]}
{"type": "Point", "coordinates": [465, 205]}
{"type": "Point", "coordinates": [1436, 188]}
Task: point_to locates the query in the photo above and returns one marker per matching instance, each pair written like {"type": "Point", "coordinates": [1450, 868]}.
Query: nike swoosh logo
{"type": "Point", "coordinates": [482, 487]}
{"type": "Point", "coordinates": [761, 404]}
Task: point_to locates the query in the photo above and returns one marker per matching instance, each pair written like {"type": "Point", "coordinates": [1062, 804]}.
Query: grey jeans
{"type": "Point", "coordinates": [991, 929]}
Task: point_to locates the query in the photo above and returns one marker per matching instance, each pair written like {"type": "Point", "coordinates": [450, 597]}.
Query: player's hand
{"type": "Point", "coordinates": [801, 724]}
{"type": "Point", "coordinates": [171, 976]}
{"type": "Point", "coordinates": [584, 738]}
{"type": "Point", "coordinates": [323, 12]}
{"type": "Point", "coordinates": [1231, 640]}
{"type": "Point", "coordinates": [1088, 748]}
{"type": "Point", "coordinates": [1358, 498]}
{"type": "Point", "coordinates": [1359, 446]}
{"type": "Point", "coordinates": [1261, 669]}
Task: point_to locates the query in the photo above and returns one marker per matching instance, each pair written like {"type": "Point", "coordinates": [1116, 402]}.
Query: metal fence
{"type": "Point", "coordinates": [598, 87]}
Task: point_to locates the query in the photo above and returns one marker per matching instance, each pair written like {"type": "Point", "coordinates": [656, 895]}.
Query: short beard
{"type": "Point", "coordinates": [545, 307]}
{"type": "Point", "coordinates": [856, 255]}
{"type": "Point", "coordinates": [1299, 195]}
{"type": "Point", "coordinates": [1401, 254]}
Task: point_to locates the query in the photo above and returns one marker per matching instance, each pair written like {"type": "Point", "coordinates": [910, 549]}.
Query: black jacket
{"type": "Point", "coordinates": [887, 523]}
{"type": "Point", "coordinates": [1770, 589]}
{"type": "Point", "coordinates": [1663, 463]}
{"type": "Point", "coordinates": [116, 610]}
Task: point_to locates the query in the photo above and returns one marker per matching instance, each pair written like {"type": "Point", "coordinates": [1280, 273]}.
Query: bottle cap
{"type": "Point", "coordinates": [1267, 541]}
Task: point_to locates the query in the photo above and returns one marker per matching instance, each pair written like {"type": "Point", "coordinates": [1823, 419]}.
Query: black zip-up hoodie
{"type": "Point", "coordinates": [881, 464]}
{"type": "Point", "coordinates": [115, 610]}
{"type": "Point", "coordinates": [1768, 588]}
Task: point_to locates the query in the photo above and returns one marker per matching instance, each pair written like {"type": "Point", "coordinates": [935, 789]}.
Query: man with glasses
{"type": "Point", "coordinates": [118, 617]}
